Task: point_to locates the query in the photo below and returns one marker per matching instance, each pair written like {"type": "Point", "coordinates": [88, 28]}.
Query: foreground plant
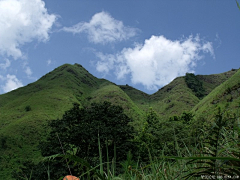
{"type": "Point", "coordinates": [219, 154]}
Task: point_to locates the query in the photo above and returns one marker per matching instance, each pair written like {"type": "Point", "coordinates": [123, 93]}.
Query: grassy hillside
{"type": "Point", "coordinates": [226, 95]}
{"type": "Point", "coordinates": [140, 98]}
{"type": "Point", "coordinates": [177, 97]}
{"type": "Point", "coordinates": [117, 96]}
{"type": "Point", "coordinates": [25, 110]}
{"type": "Point", "coordinates": [212, 81]}
{"type": "Point", "coordinates": [48, 98]}
{"type": "Point", "coordinates": [173, 99]}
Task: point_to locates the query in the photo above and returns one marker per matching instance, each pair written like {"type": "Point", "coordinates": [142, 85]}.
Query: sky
{"type": "Point", "coordinates": [145, 44]}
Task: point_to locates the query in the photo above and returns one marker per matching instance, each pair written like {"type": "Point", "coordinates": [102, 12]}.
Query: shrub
{"type": "Point", "coordinates": [28, 108]}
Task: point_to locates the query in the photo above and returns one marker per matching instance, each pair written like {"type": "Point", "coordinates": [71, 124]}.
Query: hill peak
{"type": "Point", "coordinates": [65, 71]}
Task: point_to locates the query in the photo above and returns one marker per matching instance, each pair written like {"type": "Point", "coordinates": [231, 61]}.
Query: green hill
{"type": "Point", "coordinates": [226, 96]}
{"type": "Point", "coordinates": [177, 97]}
{"type": "Point", "coordinates": [20, 128]}
{"type": "Point", "coordinates": [173, 99]}
{"type": "Point", "coordinates": [25, 111]}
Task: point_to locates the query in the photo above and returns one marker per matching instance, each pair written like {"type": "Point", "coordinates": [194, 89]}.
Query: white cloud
{"type": "Point", "coordinates": [28, 71]}
{"type": "Point", "coordinates": [5, 65]}
{"type": "Point", "coordinates": [11, 83]}
{"type": "Point", "coordinates": [105, 66]}
{"type": "Point", "coordinates": [156, 62]}
{"type": "Point", "coordinates": [103, 28]}
{"type": "Point", "coordinates": [22, 21]}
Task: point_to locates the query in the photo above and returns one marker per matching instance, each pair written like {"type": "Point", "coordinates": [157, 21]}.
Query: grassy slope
{"type": "Point", "coordinates": [212, 81]}
{"type": "Point", "coordinates": [226, 95]}
{"type": "Point", "coordinates": [173, 99]}
{"type": "Point", "coordinates": [48, 98]}
{"type": "Point", "coordinates": [176, 97]}
{"type": "Point", "coordinates": [140, 98]}
{"type": "Point", "coordinates": [117, 96]}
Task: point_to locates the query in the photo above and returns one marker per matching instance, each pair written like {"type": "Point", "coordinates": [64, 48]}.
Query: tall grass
{"type": "Point", "coordinates": [218, 153]}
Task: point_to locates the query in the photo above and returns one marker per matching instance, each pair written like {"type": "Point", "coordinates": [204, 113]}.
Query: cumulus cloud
{"type": "Point", "coordinates": [11, 83]}
{"type": "Point", "coordinates": [22, 21]}
{"type": "Point", "coordinates": [156, 62]}
{"type": "Point", "coordinates": [103, 28]}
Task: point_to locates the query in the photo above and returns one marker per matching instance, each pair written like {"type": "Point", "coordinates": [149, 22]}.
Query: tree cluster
{"type": "Point", "coordinates": [195, 85]}
{"type": "Point", "coordinates": [86, 133]}
{"type": "Point", "coordinates": [163, 136]}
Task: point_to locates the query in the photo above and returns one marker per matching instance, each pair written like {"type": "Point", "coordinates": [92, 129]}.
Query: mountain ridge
{"type": "Point", "coordinates": [49, 97]}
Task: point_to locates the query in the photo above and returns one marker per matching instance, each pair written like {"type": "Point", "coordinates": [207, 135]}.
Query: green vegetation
{"type": "Point", "coordinates": [195, 85]}
{"type": "Point", "coordinates": [85, 133]}
{"type": "Point", "coordinates": [226, 95]}
{"type": "Point", "coordinates": [28, 108]}
{"type": "Point", "coordinates": [161, 121]}
{"type": "Point", "coordinates": [173, 99]}
{"type": "Point", "coordinates": [219, 151]}
{"type": "Point", "coordinates": [212, 152]}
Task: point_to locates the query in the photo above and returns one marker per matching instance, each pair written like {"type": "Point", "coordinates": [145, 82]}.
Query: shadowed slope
{"type": "Point", "coordinates": [140, 98]}
{"type": "Point", "coordinates": [212, 81]}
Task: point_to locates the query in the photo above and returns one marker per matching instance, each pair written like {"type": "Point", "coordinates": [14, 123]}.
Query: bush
{"type": "Point", "coordinates": [28, 108]}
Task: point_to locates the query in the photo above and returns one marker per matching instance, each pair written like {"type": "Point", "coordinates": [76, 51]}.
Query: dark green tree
{"type": "Point", "coordinates": [195, 85]}
{"type": "Point", "coordinates": [80, 130]}
{"type": "Point", "coordinates": [185, 118]}
{"type": "Point", "coordinates": [166, 136]}
{"type": "Point", "coordinates": [148, 138]}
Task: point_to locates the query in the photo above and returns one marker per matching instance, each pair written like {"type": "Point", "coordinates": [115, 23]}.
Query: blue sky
{"type": "Point", "coordinates": [145, 44]}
